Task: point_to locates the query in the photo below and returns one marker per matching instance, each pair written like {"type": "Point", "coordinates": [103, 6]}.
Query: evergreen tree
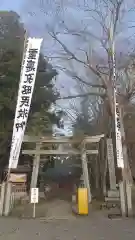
{"type": "Point", "coordinates": [11, 49]}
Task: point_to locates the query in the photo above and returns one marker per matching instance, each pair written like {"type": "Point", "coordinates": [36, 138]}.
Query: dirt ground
{"type": "Point", "coordinates": [45, 209]}
{"type": "Point", "coordinates": [55, 221]}
{"type": "Point", "coordinates": [94, 227]}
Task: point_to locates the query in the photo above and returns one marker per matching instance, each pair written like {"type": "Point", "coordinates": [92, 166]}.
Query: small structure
{"type": "Point", "coordinates": [18, 176]}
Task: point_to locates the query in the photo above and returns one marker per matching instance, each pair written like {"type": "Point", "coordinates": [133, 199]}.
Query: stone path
{"type": "Point", "coordinates": [94, 227]}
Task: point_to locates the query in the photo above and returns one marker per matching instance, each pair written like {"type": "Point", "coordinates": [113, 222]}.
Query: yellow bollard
{"type": "Point", "coordinates": [83, 201]}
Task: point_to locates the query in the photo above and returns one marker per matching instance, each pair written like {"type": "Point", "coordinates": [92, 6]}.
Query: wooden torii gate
{"type": "Point", "coordinates": [83, 152]}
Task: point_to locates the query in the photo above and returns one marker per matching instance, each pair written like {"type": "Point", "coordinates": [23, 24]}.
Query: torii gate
{"type": "Point", "coordinates": [62, 140]}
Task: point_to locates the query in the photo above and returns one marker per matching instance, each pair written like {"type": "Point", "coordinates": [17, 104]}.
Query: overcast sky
{"type": "Point", "coordinates": [38, 14]}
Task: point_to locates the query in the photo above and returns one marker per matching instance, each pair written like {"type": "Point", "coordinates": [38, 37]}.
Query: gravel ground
{"type": "Point", "coordinates": [94, 227]}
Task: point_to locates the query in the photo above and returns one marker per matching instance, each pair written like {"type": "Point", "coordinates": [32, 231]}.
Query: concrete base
{"type": "Point", "coordinates": [113, 194]}
{"type": "Point", "coordinates": [112, 199]}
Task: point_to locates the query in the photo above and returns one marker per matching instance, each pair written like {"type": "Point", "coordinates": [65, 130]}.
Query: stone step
{"type": "Point", "coordinates": [113, 193]}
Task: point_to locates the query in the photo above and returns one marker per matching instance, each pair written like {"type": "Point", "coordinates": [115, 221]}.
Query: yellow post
{"type": "Point", "coordinates": [83, 201]}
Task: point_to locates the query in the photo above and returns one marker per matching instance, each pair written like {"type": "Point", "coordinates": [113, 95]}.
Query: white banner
{"type": "Point", "coordinates": [119, 149]}
{"type": "Point", "coordinates": [26, 87]}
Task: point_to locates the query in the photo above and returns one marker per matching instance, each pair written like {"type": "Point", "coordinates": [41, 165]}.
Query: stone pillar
{"type": "Point", "coordinates": [129, 199]}
{"type": "Point", "coordinates": [111, 164]}
{"type": "Point", "coordinates": [127, 175]}
{"type": "Point", "coordinates": [122, 198]}
{"type": "Point", "coordinates": [2, 198]}
{"type": "Point", "coordinates": [7, 198]}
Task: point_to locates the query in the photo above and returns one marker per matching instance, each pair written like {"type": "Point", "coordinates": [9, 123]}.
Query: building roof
{"type": "Point", "coordinates": [19, 169]}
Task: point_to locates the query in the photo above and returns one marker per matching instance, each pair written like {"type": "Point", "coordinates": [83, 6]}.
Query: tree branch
{"type": "Point", "coordinates": [74, 76]}
{"type": "Point", "coordinates": [54, 36]}
{"type": "Point", "coordinates": [82, 95]}
{"type": "Point", "coordinates": [89, 84]}
{"type": "Point", "coordinates": [84, 33]}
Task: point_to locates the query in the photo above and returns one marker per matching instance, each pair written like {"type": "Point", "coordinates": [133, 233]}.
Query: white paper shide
{"type": "Point", "coordinates": [26, 87]}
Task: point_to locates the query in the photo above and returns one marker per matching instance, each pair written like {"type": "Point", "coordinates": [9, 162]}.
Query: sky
{"type": "Point", "coordinates": [11, 5]}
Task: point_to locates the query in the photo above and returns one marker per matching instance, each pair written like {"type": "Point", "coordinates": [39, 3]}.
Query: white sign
{"type": "Point", "coordinates": [26, 87]}
{"type": "Point", "coordinates": [119, 149]}
{"type": "Point", "coordinates": [34, 195]}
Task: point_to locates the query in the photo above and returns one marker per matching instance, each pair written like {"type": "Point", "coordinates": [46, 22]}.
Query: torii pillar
{"type": "Point", "coordinates": [86, 174]}
{"type": "Point", "coordinates": [36, 164]}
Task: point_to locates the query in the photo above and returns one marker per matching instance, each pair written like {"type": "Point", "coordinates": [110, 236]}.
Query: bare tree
{"type": "Point", "coordinates": [91, 60]}
{"type": "Point", "coordinates": [102, 68]}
